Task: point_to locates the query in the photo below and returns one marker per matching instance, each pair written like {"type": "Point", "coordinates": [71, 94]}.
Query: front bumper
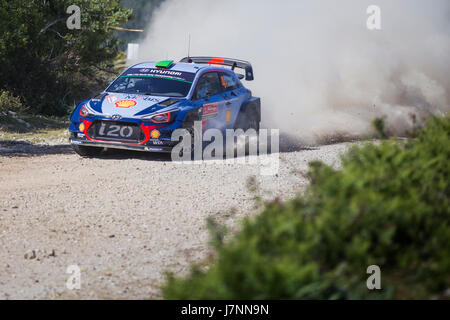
{"type": "Point", "coordinates": [144, 148]}
{"type": "Point", "coordinates": [145, 143]}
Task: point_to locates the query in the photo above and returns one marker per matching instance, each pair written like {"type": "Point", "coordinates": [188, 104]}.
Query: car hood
{"type": "Point", "coordinates": [127, 105]}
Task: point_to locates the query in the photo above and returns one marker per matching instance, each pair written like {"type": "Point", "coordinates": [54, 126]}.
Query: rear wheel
{"type": "Point", "coordinates": [253, 122]}
{"type": "Point", "coordinates": [246, 121]}
{"type": "Point", "coordinates": [87, 151]}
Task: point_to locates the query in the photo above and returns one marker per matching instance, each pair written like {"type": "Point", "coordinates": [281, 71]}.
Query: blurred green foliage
{"type": "Point", "coordinates": [388, 206]}
{"type": "Point", "coordinates": [49, 66]}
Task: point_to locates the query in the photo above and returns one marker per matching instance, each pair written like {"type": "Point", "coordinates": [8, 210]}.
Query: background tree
{"type": "Point", "coordinates": [49, 66]}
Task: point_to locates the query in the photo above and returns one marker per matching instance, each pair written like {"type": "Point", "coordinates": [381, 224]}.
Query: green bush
{"type": "Point", "coordinates": [387, 206]}
{"type": "Point", "coordinates": [49, 66]}
{"type": "Point", "coordinates": [9, 102]}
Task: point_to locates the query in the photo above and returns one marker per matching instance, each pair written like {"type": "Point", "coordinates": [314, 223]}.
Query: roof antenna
{"type": "Point", "coordinates": [189, 48]}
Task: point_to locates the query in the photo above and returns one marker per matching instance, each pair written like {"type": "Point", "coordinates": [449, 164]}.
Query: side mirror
{"type": "Point", "coordinates": [240, 76]}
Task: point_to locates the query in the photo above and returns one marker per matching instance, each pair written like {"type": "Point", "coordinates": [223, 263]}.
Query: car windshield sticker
{"type": "Point", "coordinates": [160, 73]}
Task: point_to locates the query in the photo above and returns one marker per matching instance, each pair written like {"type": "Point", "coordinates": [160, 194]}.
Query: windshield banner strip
{"type": "Point", "coordinates": [160, 73]}
{"type": "Point", "coordinates": [157, 77]}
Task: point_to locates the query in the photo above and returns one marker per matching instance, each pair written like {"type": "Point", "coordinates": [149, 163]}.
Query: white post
{"type": "Point", "coordinates": [132, 52]}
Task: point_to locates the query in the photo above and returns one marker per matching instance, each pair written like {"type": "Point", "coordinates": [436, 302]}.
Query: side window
{"type": "Point", "coordinates": [228, 82]}
{"type": "Point", "coordinates": [208, 85]}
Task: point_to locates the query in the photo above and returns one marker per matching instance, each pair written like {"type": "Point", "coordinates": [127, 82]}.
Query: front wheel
{"type": "Point", "coordinates": [87, 151]}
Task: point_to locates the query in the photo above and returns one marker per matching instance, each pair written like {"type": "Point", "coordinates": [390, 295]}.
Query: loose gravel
{"type": "Point", "coordinates": [125, 218]}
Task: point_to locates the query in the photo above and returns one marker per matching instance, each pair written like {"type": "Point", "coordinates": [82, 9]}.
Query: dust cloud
{"type": "Point", "coordinates": [321, 73]}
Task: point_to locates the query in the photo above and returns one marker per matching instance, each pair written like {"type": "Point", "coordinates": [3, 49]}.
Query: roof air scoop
{"type": "Point", "coordinates": [166, 64]}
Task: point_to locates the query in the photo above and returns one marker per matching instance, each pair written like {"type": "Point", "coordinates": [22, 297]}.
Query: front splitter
{"type": "Point", "coordinates": [87, 143]}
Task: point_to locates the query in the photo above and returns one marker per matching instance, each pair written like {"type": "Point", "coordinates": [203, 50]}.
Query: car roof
{"type": "Point", "coordinates": [180, 66]}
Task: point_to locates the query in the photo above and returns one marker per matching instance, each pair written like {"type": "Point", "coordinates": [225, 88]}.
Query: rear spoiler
{"type": "Point", "coordinates": [233, 63]}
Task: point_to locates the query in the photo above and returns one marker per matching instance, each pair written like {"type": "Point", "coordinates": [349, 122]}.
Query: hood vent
{"type": "Point", "coordinates": [168, 103]}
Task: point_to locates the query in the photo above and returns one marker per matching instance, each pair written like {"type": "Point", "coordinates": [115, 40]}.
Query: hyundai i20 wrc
{"type": "Point", "coordinates": [143, 107]}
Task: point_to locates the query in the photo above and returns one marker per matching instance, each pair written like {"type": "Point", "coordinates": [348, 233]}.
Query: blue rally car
{"type": "Point", "coordinates": [147, 102]}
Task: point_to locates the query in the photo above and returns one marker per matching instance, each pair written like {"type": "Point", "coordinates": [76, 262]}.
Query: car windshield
{"type": "Point", "coordinates": [151, 85]}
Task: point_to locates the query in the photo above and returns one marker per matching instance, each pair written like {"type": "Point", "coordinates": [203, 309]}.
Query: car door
{"type": "Point", "coordinates": [209, 95]}
{"type": "Point", "coordinates": [233, 96]}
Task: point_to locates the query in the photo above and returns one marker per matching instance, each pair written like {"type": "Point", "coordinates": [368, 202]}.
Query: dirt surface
{"type": "Point", "coordinates": [124, 218]}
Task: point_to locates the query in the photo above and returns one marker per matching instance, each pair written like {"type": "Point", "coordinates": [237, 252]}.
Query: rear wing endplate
{"type": "Point", "coordinates": [233, 63]}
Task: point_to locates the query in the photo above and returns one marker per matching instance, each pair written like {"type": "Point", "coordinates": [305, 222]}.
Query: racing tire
{"type": "Point", "coordinates": [87, 152]}
{"type": "Point", "coordinates": [247, 120]}
{"type": "Point", "coordinates": [253, 121]}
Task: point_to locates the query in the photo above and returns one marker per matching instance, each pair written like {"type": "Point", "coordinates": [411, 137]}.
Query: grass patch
{"type": "Point", "coordinates": [32, 128]}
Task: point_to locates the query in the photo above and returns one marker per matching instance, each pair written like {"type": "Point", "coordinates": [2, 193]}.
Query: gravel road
{"type": "Point", "coordinates": [124, 218]}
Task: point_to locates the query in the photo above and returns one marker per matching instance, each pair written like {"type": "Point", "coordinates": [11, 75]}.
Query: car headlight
{"type": "Point", "coordinates": [163, 117]}
{"type": "Point", "coordinates": [86, 111]}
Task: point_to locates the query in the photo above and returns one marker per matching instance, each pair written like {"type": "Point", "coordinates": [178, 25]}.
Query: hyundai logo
{"type": "Point", "coordinates": [116, 117]}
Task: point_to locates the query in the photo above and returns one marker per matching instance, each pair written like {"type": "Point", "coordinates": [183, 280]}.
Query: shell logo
{"type": "Point", "coordinates": [228, 116]}
{"type": "Point", "coordinates": [126, 104]}
{"type": "Point", "coordinates": [155, 134]}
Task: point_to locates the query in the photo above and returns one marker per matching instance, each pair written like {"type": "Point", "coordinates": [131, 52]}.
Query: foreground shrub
{"type": "Point", "coordinates": [387, 206]}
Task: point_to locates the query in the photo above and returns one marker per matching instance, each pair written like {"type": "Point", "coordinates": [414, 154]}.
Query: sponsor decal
{"type": "Point", "coordinates": [156, 142]}
{"type": "Point", "coordinates": [126, 104]}
{"type": "Point", "coordinates": [165, 72]}
{"type": "Point", "coordinates": [228, 116]}
{"type": "Point", "coordinates": [155, 134]}
{"type": "Point", "coordinates": [210, 111]}
{"type": "Point", "coordinates": [111, 99]}
{"type": "Point", "coordinates": [160, 73]}
{"type": "Point", "coordinates": [152, 149]}
{"type": "Point", "coordinates": [144, 98]}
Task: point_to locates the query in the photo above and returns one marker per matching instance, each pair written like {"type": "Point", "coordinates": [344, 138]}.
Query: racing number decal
{"type": "Point", "coordinates": [116, 131]}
